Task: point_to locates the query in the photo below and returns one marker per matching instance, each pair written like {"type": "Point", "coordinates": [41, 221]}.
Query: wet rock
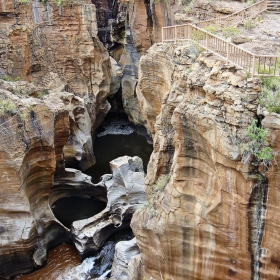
{"type": "Point", "coordinates": [125, 194]}
{"type": "Point", "coordinates": [124, 251]}
{"type": "Point", "coordinates": [104, 259]}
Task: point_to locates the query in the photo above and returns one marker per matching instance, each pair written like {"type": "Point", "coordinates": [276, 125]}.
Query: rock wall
{"type": "Point", "coordinates": [49, 128]}
{"type": "Point", "coordinates": [38, 137]}
{"type": "Point", "coordinates": [57, 49]}
{"type": "Point", "coordinates": [211, 218]}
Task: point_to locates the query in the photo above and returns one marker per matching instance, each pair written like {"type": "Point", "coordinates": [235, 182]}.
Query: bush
{"type": "Point", "coordinates": [255, 144]}
{"type": "Point", "coordinates": [42, 93]}
{"type": "Point", "coordinates": [270, 94]}
{"type": "Point", "coordinates": [10, 79]}
{"type": "Point", "coordinates": [6, 106]}
{"type": "Point", "coordinates": [211, 29]}
{"type": "Point", "coordinates": [230, 31]}
{"type": "Point", "coordinates": [249, 24]}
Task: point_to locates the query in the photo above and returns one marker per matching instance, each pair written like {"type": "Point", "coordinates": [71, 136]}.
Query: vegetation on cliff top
{"type": "Point", "coordinates": [270, 94]}
{"type": "Point", "coordinates": [255, 144]}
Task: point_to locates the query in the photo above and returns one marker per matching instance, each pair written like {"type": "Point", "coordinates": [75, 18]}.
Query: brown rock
{"type": "Point", "coordinates": [32, 153]}
{"type": "Point", "coordinates": [202, 224]}
{"type": "Point", "coordinates": [240, 39]}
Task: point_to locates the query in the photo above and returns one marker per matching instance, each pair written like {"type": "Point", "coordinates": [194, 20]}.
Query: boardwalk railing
{"type": "Point", "coordinates": [235, 18]}
{"type": "Point", "coordinates": [273, 6]}
{"type": "Point", "coordinates": [256, 65]}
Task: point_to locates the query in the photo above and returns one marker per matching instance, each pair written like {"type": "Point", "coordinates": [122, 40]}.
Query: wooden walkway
{"type": "Point", "coordinates": [256, 65]}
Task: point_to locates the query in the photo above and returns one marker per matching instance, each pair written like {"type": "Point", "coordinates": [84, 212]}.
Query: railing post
{"type": "Point", "coordinates": [175, 33]}
{"type": "Point", "coordinates": [253, 65]}
{"type": "Point", "coordinates": [207, 41]}
{"type": "Point", "coordinates": [162, 32]}
{"type": "Point", "coordinates": [189, 32]}
{"type": "Point", "coordinates": [227, 51]}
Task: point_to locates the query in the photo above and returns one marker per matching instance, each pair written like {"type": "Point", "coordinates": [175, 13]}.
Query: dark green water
{"type": "Point", "coordinates": [70, 209]}
{"type": "Point", "coordinates": [109, 147]}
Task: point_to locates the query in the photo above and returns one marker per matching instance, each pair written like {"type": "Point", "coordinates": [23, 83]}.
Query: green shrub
{"type": "Point", "coordinates": [211, 29]}
{"type": "Point", "coordinates": [250, 2]}
{"type": "Point", "coordinates": [30, 107]}
{"type": "Point", "coordinates": [40, 94]}
{"type": "Point", "coordinates": [198, 35]}
{"type": "Point", "coordinates": [230, 31]}
{"type": "Point", "coordinates": [270, 94]}
{"type": "Point", "coordinates": [10, 79]}
{"type": "Point", "coordinates": [6, 105]}
{"type": "Point", "coordinates": [249, 24]}
{"type": "Point", "coordinates": [255, 144]}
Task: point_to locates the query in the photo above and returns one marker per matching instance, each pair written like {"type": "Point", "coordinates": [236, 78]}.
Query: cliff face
{"type": "Point", "coordinates": [38, 137]}
{"type": "Point", "coordinates": [49, 128]}
{"type": "Point", "coordinates": [56, 48]}
{"type": "Point", "coordinates": [211, 218]}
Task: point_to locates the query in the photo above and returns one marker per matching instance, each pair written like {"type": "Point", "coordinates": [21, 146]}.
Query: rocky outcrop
{"type": "Point", "coordinates": [124, 252]}
{"type": "Point", "coordinates": [208, 220]}
{"type": "Point", "coordinates": [57, 49]}
{"type": "Point", "coordinates": [268, 246]}
{"type": "Point", "coordinates": [125, 194]}
{"type": "Point", "coordinates": [38, 138]}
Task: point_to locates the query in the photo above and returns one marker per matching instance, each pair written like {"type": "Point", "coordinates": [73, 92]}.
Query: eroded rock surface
{"type": "Point", "coordinates": [208, 221]}
{"type": "Point", "coordinates": [39, 138]}
{"type": "Point", "coordinates": [125, 194]}
{"type": "Point", "coordinates": [124, 251]}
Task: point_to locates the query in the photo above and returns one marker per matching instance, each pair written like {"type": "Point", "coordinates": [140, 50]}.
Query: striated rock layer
{"type": "Point", "coordinates": [57, 49]}
{"type": "Point", "coordinates": [210, 218]}
{"type": "Point", "coordinates": [38, 137]}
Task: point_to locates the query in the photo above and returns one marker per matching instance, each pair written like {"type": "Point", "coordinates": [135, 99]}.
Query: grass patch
{"type": "Point", "coordinates": [228, 32]}
{"type": "Point", "coordinates": [10, 79]}
{"type": "Point", "coordinates": [255, 145]}
{"type": "Point", "coordinates": [270, 94]}
{"type": "Point", "coordinates": [7, 106]}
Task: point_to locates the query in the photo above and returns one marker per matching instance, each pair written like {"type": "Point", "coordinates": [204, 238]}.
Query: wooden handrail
{"type": "Point", "coordinates": [246, 13]}
{"type": "Point", "coordinates": [256, 65]}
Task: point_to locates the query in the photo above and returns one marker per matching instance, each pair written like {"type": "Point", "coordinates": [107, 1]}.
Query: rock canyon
{"type": "Point", "coordinates": [201, 211]}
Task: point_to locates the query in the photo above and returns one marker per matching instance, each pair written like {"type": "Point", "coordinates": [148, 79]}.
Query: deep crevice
{"type": "Point", "coordinates": [256, 213]}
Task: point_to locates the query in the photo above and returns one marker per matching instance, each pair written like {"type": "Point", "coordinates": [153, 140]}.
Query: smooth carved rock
{"type": "Point", "coordinates": [32, 160]}
{"type": "Point", "coordinates": [116, 77]}
{"type": "Point", "coordinates": [125, 194]}
{"type": "Point", "coordinates": [124, 251]}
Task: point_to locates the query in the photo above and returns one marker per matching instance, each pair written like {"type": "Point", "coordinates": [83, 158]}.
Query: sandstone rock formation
{"type": "Point", "coordinates": [125, 194]}
{"type": "Point", "coordinates": [39, 137]}
{"type": "Point", "coordinates": [208, 221]}
{"type": "Point", "coordinates": [57, 49]}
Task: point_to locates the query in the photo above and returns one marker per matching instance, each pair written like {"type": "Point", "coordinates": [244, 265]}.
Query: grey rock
{"type": "Point", "coordinates": [125, 194]}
